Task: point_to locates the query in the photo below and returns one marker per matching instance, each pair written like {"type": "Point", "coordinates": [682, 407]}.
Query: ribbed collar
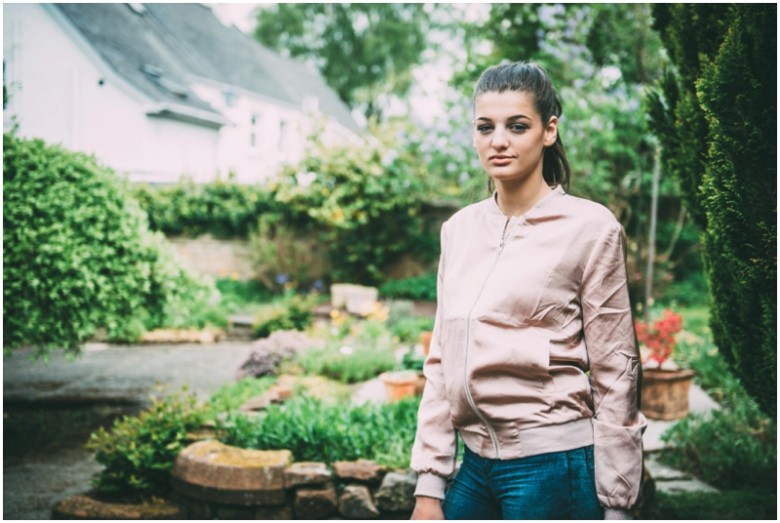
{"type": "Point", "coordinates": [549, 198]}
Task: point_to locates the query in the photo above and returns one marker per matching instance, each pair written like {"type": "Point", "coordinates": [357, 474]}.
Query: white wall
{"type": "Point", "coordinates": [55, 94]}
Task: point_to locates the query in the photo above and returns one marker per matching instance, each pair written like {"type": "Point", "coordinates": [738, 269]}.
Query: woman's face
{"type": "Point", "coordinates": [510, 137]}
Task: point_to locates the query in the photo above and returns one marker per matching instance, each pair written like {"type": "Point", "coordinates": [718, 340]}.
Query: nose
{"type": "Point", "coordinates": [499, 138]}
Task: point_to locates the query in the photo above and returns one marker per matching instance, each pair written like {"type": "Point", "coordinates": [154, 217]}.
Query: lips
{"type": "Point", "coordinates": [500, 159]}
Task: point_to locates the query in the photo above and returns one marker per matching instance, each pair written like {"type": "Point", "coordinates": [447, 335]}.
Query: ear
{"type": "Point", "coordinates": [551, 132]}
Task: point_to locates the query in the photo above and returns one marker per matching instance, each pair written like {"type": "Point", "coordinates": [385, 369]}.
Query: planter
{"type": "Point", "coordinates": [399, 384]}
{"type": "Point", "coordinates": [665, 393]}
{"type": "Point", "coordinates": [420, 384]}
{"type": "Point", "coordinates": [425, 341]}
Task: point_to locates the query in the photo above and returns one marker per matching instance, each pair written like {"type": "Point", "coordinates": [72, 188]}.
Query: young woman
{"type": "Point", "coordinates": [533, 359]}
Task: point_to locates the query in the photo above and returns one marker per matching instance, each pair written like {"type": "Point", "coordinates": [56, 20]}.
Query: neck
{"type": "Point", "coordinates": [516, 198]}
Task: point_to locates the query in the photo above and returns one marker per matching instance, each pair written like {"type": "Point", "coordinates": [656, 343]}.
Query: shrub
{"type": "Point", "coordinates": [718, 142]}
{"type": "Point", "coordinates": [292, 312]}
{"type": "Point", "coordinates": [733, 447]}
{"type": "Point", "coordinates": [315, 430]}
{"type": "Point", "coordinates": [78, 254]}
{"type": "Point", "coordinates": [222, 208]}
{"type": "Point", "coordinates": [419, 288]}
{"type": "Point", "coordinates": [284, 254]}
{"type": "Point", "coordinates": [346, 364]}
{"type": "Point", "coordinates": [367, 202]}
{"type": "Point", "coordinates": [138, 452]}
{"type": "Point", "coordinates": [231, 396]}
{"type": "Point", "coordinates": [408, 330]}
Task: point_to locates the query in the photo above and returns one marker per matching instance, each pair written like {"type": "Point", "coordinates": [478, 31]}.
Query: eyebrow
{"type": "Point", "coordinates": [511, 118]}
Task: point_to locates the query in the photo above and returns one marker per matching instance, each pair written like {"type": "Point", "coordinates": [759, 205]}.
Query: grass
{"type": "Point", "coordinates": [726, 505]}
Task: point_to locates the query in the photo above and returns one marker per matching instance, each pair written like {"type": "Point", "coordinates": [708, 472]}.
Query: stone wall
{"type": "Point", "coordinates": [214, 257]}
{"type": "Point", "coordinates": [217, 481]}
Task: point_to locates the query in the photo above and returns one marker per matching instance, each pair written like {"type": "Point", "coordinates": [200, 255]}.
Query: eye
{"type": "Point", "coordinates": [518, 128]}
{"type": "Point", "coordinates": [484, 129]}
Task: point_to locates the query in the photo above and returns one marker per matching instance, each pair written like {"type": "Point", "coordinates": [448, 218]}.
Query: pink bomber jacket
{"type": "Point", "coordinates": [533, 349]}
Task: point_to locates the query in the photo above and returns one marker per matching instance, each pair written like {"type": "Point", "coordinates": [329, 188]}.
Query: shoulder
{"type": "Point", "coordinates": [468, 215]}
{"type": "Point", "coordinates": [589, 215]}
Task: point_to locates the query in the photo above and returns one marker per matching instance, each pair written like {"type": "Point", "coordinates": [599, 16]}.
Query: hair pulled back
{"type": "Point", "coordinates": [531, 78]}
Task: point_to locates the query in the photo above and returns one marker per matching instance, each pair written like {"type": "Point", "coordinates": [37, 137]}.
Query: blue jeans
{"type": "Point", "coordinates": [557, 485]}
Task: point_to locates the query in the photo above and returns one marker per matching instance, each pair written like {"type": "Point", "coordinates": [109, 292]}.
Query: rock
{"type": "Point", "coordinates": [85, 507]}
{"type": "Point", "coordinates": [396, 493]}
{"type": "Point", "coordinates": [313, 503]}
{"type": "Point", "coordinates": [213, 471]}
{"type": "Point", "coordinates": [283, 512]}
{"type": "Point", "coordinates": [306, 473]}
{"type": "Point", "coordinates": [356, 503]}
{"type": "Point", "coordinates": [254, 404]}
{"type": "Point", "coordinates": [361, 470]}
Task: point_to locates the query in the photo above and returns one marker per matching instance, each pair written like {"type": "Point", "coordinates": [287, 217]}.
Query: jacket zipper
{"type": "Point", "coordinates": [493, 438]}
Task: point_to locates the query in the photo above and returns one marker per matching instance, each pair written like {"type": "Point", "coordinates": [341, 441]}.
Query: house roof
{"type": "Point", "coordinates": [158, 49]}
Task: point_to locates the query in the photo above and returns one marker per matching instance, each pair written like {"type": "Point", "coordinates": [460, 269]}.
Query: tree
{"type": "Point", "coordinates": [364, 51]}
{"type": "Point", "coordinates": [716, 117]}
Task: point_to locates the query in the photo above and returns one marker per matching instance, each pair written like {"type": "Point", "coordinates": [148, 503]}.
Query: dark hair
{"type": "Point", "coordinates": [531, 78]}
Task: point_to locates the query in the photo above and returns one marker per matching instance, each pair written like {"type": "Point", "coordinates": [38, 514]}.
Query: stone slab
{"type": "Point", "coordinates": [230, 497]}
{"type": "Point", "coordinates": [213, 464]}
{"type": "Point", "coordinates": [85, 507]}
{"type": "Point", "coordinates": [361, 470]}
{"type": "Point", "coordinates": [688, 485]}
{"type": "Point", "coordinates": [355, 503]}
{"type": "Point", "coordinates": [306, 473]}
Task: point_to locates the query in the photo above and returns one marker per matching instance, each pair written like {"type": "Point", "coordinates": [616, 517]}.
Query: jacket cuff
{"type": "Point", "coordinates": [617, 513]}
{"type": "Point", "coordinates": [430, 485]}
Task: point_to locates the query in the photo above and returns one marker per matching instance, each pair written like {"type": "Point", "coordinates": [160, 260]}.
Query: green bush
{"type": "Point", "coordinates": [719, 144]}
{"type": "Point", "coordinates": [408, 330]}
{"type": "Point", "coordinates": [292, 312]}
{"type": "Point", "coordinates": [352, 366]}
{"type": "Point", "coordinates": [732, 448]}
{"type": "Point", "coordinates": [315, 430]}
{"type": "Point", "coordinates": [138, 452]}
{"type": "Point", "coordinates": [231, 396]}
{"type": "Point", "coordinates": [78, 255]}
{"type": "Point", "coordinates": [367, 202]}
{"type": "Point", "coordinates": [419, 288]}
{"type": "Point", "coordinates": [222, 208]}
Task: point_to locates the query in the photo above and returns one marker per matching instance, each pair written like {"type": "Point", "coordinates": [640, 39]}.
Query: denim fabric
{"type": "Point", "coordinates": [557, 485]}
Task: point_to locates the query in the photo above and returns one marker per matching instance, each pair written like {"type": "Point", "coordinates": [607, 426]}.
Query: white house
{"type": "Point", "coordinates": [159, 91]}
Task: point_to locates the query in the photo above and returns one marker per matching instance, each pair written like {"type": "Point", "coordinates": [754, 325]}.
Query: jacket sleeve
{"type": "Point", "coordinates": [433, 453]}
{"type": "Point", "coordinates": [615, 371]}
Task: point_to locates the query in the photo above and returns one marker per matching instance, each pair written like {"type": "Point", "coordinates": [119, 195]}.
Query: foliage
{"type": "Point", "coordinates": [223, 208]}
{"type": "Point", "coordinates": [78, 254]}
{"type": "Point", "coordinates": [367, 202]}
{"type": "Point", "coordinates": [364, 51]}
{"type": "Point", "coordinates": [408, 329]}
{"type": "Point", "coordinates": [138, 452]}
{"type": "Point", "coordinates": [347, 364]}
{"type": "Point", "coordinates": [239, 293]}
{"type": "Point", "coordinates": [283, 254]}
{"type": "Point", "coordinates": [659, 337]}
{"type": "Point", "coordinates": [749, 503]}
{"type": "Point", "coordinates": [412, 361]}
{"type": "Point", "coordinates": [734, 446]}
{"type": "Point", "coordinates": [315, 430]}
{"type": "Point", "coordinates": [232, 395]}
{"type": "Point", "coordinates": [291, 312]}
{"type": "Point", "coordinates": [420, 288]}
{"type": "Point", "coordinates": [719, 143]}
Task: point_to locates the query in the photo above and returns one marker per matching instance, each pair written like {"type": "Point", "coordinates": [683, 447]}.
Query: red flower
{"type": "Point", "coordinates": [660, 337]}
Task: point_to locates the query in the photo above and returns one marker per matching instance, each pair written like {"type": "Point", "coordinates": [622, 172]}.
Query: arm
{"type": "Point", "coordinates": [615, 373]}
{"type": "Point", "coordinates": [433, 453]}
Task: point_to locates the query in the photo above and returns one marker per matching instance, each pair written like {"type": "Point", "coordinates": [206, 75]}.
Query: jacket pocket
{"type": "Point", "coordinates": [518, 352]}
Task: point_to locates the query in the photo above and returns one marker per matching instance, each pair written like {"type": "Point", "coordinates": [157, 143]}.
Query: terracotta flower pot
{"type": "Point", "coordinates": [399, 384]}
{"type": "Point", "coordinates": [425, 341]}
{"type": "Point", "coordinates": [420, 384]}
{"type": "Point", "coordinates": [665, 393]}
